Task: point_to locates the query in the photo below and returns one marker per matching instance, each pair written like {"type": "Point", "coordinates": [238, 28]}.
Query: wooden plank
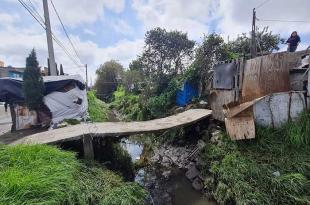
{"type": "Point", "coordinates": [116, 128]}
{"type": "Point", "coordinates": [219, 98]}
{"type": "Point", "coordinates": [265, 75]}
{"type": "Point", "coordinates": [240, 128]}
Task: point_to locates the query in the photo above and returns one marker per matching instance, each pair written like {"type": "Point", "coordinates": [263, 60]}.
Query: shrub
{"type": "Point", "coordinates": [129, 105]}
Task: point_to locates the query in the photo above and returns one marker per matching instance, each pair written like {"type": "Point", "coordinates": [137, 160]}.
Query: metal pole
{"type": "Point", "coordinates": [49, 39]}
{"type": "Point", "coordinates": [253, 38]}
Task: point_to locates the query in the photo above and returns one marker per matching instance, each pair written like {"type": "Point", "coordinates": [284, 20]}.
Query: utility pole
{"type": "Point", "coordinates": [86, 75]}
{"type": "Point", "coordinates": [49, 39]}
{"type": "Point", "coordinates": [253, 37]}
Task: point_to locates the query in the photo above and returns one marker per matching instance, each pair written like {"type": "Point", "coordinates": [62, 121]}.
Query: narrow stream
{"type": "Point", "coordinates": [176, 190]}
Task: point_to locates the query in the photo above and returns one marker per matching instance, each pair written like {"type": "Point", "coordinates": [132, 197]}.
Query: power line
{"type": "Point", "coordinates": [283, 21]}
{"type": "Point", "coordinates": [262, 4]}
{"type": "Point", "coordinates": [42, 24]}
{"type": "Point", "coordinates": [65, 30]}
{"type": "Point", "coordinates": [35, 11]}
{"type": "Point", "coordinates": [31, 13]}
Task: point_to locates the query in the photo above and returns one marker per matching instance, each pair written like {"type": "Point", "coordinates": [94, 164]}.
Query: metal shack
{"type": "Point", "coordinates": [267, 90]}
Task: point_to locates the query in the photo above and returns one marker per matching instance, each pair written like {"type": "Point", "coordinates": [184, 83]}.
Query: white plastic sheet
{"type": "Point", "coordinates": [67, 105]}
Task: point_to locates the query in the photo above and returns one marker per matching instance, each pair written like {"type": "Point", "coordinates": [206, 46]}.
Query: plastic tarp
{"type": "Point", "coordinates": [65, 96]}
{"type": "Point", "coordinates": [67, 105]}
{"type": "Point", "coordinates": [11, 89]}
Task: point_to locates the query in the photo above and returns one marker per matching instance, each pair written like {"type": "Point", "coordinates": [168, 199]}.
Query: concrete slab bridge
{"type": "Point", "coordinates": [88, 131]}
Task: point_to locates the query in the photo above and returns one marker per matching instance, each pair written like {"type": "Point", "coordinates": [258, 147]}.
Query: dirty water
{"type": "Point", "coordinates": [173, 190]}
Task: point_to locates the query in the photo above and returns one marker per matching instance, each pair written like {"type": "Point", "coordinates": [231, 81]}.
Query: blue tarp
{"type": "Point", "coordinates": [186, 94]}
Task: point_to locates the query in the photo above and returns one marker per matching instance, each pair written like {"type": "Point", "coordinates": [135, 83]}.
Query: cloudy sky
{"type": "Point", "coordinates": [114, 29]}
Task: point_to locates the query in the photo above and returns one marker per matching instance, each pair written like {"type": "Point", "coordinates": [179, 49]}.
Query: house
{"type": "Point", "coordinates": [267, 90]}
{"type": "Point", "coordinates": [11, 72]}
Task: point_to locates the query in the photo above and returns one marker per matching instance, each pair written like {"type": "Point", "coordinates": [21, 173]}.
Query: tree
{"type": "Point", "coordinates": [108, 78]}
{"type": "Point", "coordinates": [266, 43]}
{"type": "Point", "coordinates": [33, 85]}
{"type": "Point", "coordinates": [165, 55]}
{"type": "Point", "coordinates": [133, 80]}
{"type": "Point", "coordinates": [212, 50]}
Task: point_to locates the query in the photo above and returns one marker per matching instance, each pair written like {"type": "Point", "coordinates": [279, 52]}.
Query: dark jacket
{"type": "Point", "coordinates": [293, 40]}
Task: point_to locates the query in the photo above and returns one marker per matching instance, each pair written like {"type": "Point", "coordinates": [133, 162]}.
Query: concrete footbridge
{"type": "Point", "coordinates": [87, 131]}
{"type": "Point", "coordinates": [115, 128]}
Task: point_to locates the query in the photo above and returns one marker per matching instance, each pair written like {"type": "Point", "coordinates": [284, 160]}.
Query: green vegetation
{"type": "Point", "coordinates": [117, 159]}
{"type": "Point", "coordinates": [147, 90]}
{"type": "Point", "coordinates": [33, 86]}
{"type": "Point", "coordinates": [298, 132]}
{"type": "Point", "coordinates": [272, 169]}
{"type": "Point", "coordinates": [135, 107]}
{"type": "Point", "coordinates": [108, 76]}
{"type": "Point", "coordinates": [97, 109]}
{"type": "Point", "coordinates": [128, 104]}
{"type": "Point", "coordinates": [72, 121]}
{"type": "Point", "coordinates": [41, 174]}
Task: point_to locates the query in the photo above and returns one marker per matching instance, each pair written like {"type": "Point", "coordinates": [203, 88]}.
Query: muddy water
{"type": "Point", "coordinates": [175, 190]}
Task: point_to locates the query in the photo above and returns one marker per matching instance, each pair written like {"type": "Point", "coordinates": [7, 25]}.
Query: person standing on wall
{"type": "Point", "coordinates": [293, 42]}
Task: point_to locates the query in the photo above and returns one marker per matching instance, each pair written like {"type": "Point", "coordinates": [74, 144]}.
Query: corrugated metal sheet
{"type": "Point", "coordinates": [265, 75]}
{"type": "Point", "coordinates": [224, 75]}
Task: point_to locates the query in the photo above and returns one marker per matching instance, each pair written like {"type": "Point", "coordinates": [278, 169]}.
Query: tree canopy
{"type": "Point", "coordinates": [165, 54]}
{"type": "Point", "coordinates": [266, 43]}
{"type": "Point", "coordinates": [108, 77]}
{"type": "Point", "coordinates": [33, 85]}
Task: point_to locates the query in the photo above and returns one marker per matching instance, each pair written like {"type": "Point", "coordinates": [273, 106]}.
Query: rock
{"type": "Point", "coordinates": [192, 173]}
{"type": "Point", "coordinates": [63, 124]}
{"type": "Point", "coordinates": [166, 162]}
{"type": "Point", "coordinates": [179, 110]}
{"type": "Point", "coordinates": [215, 136]}
{"type": "Point", "coordinates": [166, 174]}
{"type": "Point", "coordinates": [201, 144]}
{"type": "Point", "coordinates": [175, 159]}
{"type": "Point", "coordinates": [202, 102]}
{"type": "Point", "coordinates": [198, 184]}
{"type": "Point", "coordinates": [155, 158]}
{"type": "Point", "coordinates": [277, 173]}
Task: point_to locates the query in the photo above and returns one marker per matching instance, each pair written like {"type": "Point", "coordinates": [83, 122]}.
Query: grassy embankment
{"type": "Point", "coordinates": [41, 174]}
{"type": "Point", "coordinates": [97, 109]}
{"type": "Point", "coordinates": [274, 168]}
